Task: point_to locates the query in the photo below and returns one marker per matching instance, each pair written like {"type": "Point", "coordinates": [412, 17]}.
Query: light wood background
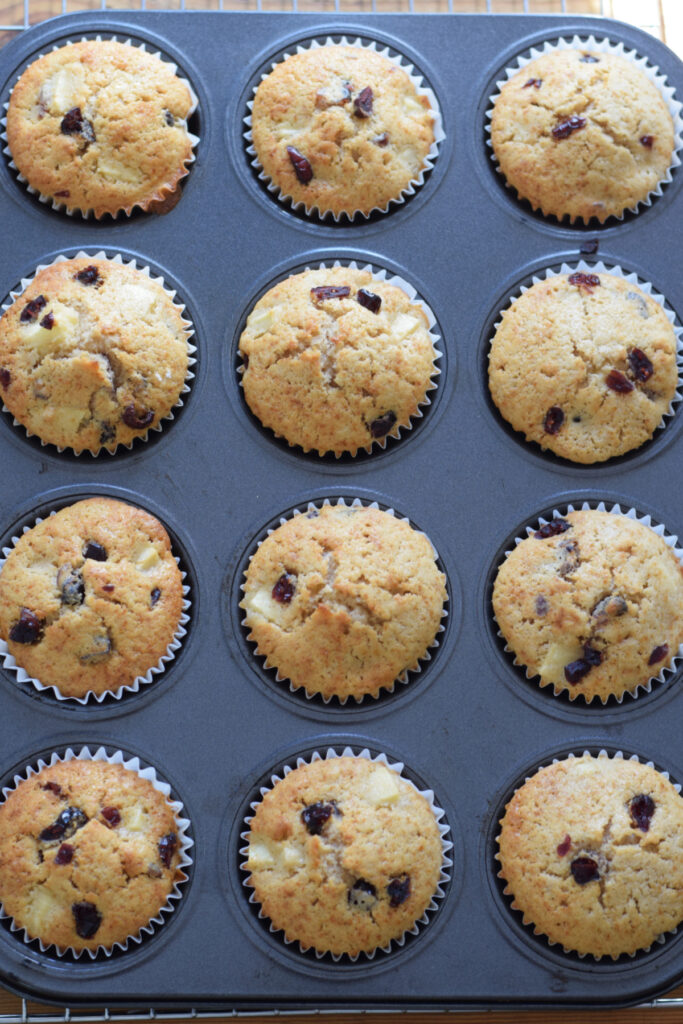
{"type": "Point", "coordinates": [664, 19]}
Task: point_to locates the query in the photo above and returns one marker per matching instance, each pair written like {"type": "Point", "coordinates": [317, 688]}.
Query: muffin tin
{"type": "Point", "coordinates": [216, 725]}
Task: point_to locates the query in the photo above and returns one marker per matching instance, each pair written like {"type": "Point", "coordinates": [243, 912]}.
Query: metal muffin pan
{"type": "Point", "coordinates": [215, 724]}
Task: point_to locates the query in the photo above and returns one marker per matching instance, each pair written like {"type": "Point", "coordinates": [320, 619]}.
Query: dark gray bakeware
{"type": "Point", "coordinates": [215, 724]}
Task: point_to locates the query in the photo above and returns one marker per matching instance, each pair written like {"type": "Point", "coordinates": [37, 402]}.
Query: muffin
{"type": "Point", "coordinates": [342, 601]}
{"type": "Point", "coordinates": [585, 365]}
{"type": "Point", "coordinates": [592, 604]}
{"type": "Point", "coordinates": [91, 597]}
{"type": "Point", "coordinates": [591, 850]}
{"type": "Point", "coordinates": [335, 359]}
{"type": "Point", "coordinates": [582, 134]}
{"type": "Point", "coordinates": [341, 129]}
{"type": "Point", "coordinates": [89, 854]}
{"type": "Point", "coordinates": [344, 855]}
{"type": "Point", "coordinates": [92, 355]}
{"type": "Point", "coordinates": [101, 126]}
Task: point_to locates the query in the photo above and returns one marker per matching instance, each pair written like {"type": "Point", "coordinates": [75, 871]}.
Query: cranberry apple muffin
{"type": "Point", "coordinates": [101, 126]}
{"type": "Point", "coordinates": [91, 597]}
{"type": "Point", "coordinates": [591, 849]}
{"type": "Point", "coordinates": [89, 854]}
{"type": "Point", "coordinates": [344, 855]}
{"type": "Point", "coordinates": [582, 134]}
{"type": "Point", "coordinates": [92, 355]}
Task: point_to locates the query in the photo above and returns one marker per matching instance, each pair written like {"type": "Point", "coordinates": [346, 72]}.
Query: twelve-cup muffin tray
{"type": "Point", "coordinates": [216, 724]}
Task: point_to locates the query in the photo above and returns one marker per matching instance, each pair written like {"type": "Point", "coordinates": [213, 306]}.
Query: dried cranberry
{"type": "Point", "coordinates": [369, 300]}
{"type": "Point", "coordinates": [302, 167]}
{"type": "Point", "coordinates": [167, 847]}
{"type": "Point", "coordinates": [641, 367]}
{"type": "Point", "coordinates": [381, 140]}
{"type": "Point", "coordinates": [64, 825]}
{"type": "Point", "coordinates": [565, 128]}
{"type": "Point", "coordinates": [617, 381]}
{"type": "Point", "coordinates": [362, 894]}
{"type": "Point", "coordinates": [63, 194]}
{"type": "Point", "coordinates": [362, 105]}
{"type": "Point", "coordinates": [590, 247]}
{"type": "Point", "coordinates": [641, 809]}
{"type": "Point", "coordinates": [154, 597]}
{"type": "Point", "coordinates": [554, 418]}
{"type": "Point", "coordinates": [89, 275]}
{"type": "Point", "coordinates": [95, 551]}
{"type": "Point", "coordinates": [541, 605]}
{"type": "Point", "coordinates": [647, 140]}
{"type": "Point", "coordinates": [107, 433]}
{"type": "Point", "coordinates": [64, 854]}
{"type": "Point", "coordinates": [168, 118]}
{"type": "Point", "coordinates": [108, 588]}
{"type": "Point", "coordinates": [135, 420]}
{"type": "Point", "coordinates": [383, 424]}
{"type": "Point", "coordinates": [5, 377]}
{"type": "Point", "coordinates": [330, 291]}
{"type": "Point", "coordinates": [563, 848]}
{"type": "Point", "coordinates": [48, 321]}
{"type": "Point", "coordinates": [592, 655]}
{"type": "Point", "coordinates": [112, 816]}
{"type": "Point", "coordinates": [584, 869]}
{"type": "Point", "coordinates": [315, 817]}
{"type": "Point", "coordinates": [588, 58]}
{"type": "Point", "coordinates": [398, 890]}
{"type": "Point", "coordinates": [32, 309]}
{"type": "Point", "coordinates": [53, 787]}
{"type": "Point", "coordinates": [73, 123]}
{"type": "Point", "coordinates": [536, 82]}
{"type": "Point", "coordinates": [28, 629]}
{"type": "Point", "coordinates": [283, 591]}
{"type": "Point", "coordinates": [87, 919]}
{"type": "Point", "coordinates": [658, 654]}
{"type": "Point", "coordinates": [552, 529]}
{"type": "Point", "coordinates": [575, 671]}
{"type": "Point", "coordinates": [586, 281]}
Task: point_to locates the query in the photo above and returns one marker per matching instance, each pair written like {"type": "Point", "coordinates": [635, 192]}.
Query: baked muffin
{"type": "Point", "coordinates": [582, 134]}
{"type": "Point", "coordinates": [92, 355]}
{"type": "Point", "coordinates": [584, 364]}
{"type": "Point", "coordinates": [591, 850]}
{"type": "Point", "coordinates": [344, 854]}
{"type": "Point", "coordinates": [91, 597]}
{"type": "Point", "coordinates": [341, 129]}
{"type": "Point", "coordinates": [342, 601]}
{"type": "Point", "coordinates": [101, 126]}
{"type": "Point", "coordinates": [89, 854]}
{"type": "Point", "coordinates": [592, 604]}
{"type": "Point", "coordinates": [335, 359]}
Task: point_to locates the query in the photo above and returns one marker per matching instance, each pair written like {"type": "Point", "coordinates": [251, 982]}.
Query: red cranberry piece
{"type": "Point", "coordinates": [381, 140]}
{"type": "Point", "coordinates": [584, 870]}
{"type": "Point", "coordinates": [536, 82]}
{"type": "Point", "coordinates": [369, 300]}
{"type": "Point", "coordinates": [108, 588]}
{"type": "Point", "coordinates": [73, 123]}
{"type": "Point", "coordinates": [32, 309]}
{"type": "Point", "coordinates": [95, 551]}
{"type": "Point", "coordinates": [552, 529]}
{"type": "Point", "coordinates": [64, 854]}
{"type": "Point", "coordinates": [154, 597]}
{"type": "Point", "coordinates": [617, 381]}
{"type": "Point", "coordinates": [167, 847]}
{"type": "Point", "coordinates": [64, 825]}
{"type": "Point", "coordinates": [383, 424]}
{"type": "Point", "coordinates": [592, 655]}
{"type": "Point", "coordinates": [301, 165]}
{"type": "Point", "coordinates": [554, 418]}
{"type": "Point", "coordinates": [330, 291]}
{"type": "Point", "coordinates": [135, 420]}
{"type": "Point", "coordinates": [641, 809]}
{"type": "Point", "coordinates": [5, 377]}
{"type": "Point", "coordinates": [362, 105]}
{"type": "Point", "coordinates": [575, 671]}
{"type": "Point", "coordinates": [647, 140]}
{"type": "Point", "coordinates": [588, 58]}
{"type": "Point", "coordinates": [586, 281]}
{"type": "Point", "coordinates": [362, 894]}
{"type": "Point", "coordinates": [53, 787]}
{"type": "Point", "coordinates": [315, 817]}
{"type": "Point", "coordinates": [641, 367]}
{"type": "Point", "coordinates": [283, 591]}
{"type": "Point", "coordinates": [541, 605]}
{"type": "Point", "coordinates": [658, 654]}
{"type": "Point", "coordinates": [48, 321]}
{"type": "Point", "coordinates": [112, 816]}
{"type": "Point", "coordinates": [590, 247]}
{"type": "Point", "coordinates": [89, 275]}
{"type": "Point", "coordinates": [565, 128]}
{"type": "Point", "coordinates": [63, 194]}
{"type": "Point", "coordinates": [28, 629]}
{"type": "Point", "coordinates": [87, 919]}
{"type": "Point", "coordinates": [398, 890]}
{"type": "Point", "coordinates": [563, 848]}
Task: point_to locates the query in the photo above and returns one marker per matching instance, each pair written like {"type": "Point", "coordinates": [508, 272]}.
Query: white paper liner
{"type": "Point", "coordinates": [601, 268]}
{"type": "Point", "coordinates": [405, 677]}
{"type": "Point", "coordinates": [446, 847]}
{"type": "Point", "coordinates": [184, 845]}
{"type": "Point", "coordinates": [188, 328]}
{"type": "Point", "coordinates": [618, 756]}
{"type": "Point", "coordinates": [601, 45]}
{"type": "Point", "coordinates": [671, 540]}
{"type": "Point", "coordinates": [380, 274]}
{"type": "Point", "coordinates": [9, 662]}
{"type": "Point", "coordinates": [86, 214]}
{"type": "Point", "coordinates": [413, 185]}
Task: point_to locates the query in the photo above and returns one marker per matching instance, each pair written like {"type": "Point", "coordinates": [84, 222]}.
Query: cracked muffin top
{"type": "Point", "coordinates": [342, 601]}
{"type": "Point", "coordinates": [592, 604]}
{"type": "Point", "coordinates": [91, 597]}
{"type": "Point", "coordinates": [89, 853]}
{"type": "Point", "coordinates": [92, 355]}
{"type": "Point", "coordinates": [344, 854]}
{"type": "Point", "coordinates": [101, 126]}
{"type": "Point", "coordinates": [341, 128]}
{"type": "Point", "coordinates": [582, 134]}
{"type": "Point", "coordinates": [585, 365]}
{"type": "Point", "coordinates": [336, 359]}
{"type": "Point", "coordinates": [591, 849]}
